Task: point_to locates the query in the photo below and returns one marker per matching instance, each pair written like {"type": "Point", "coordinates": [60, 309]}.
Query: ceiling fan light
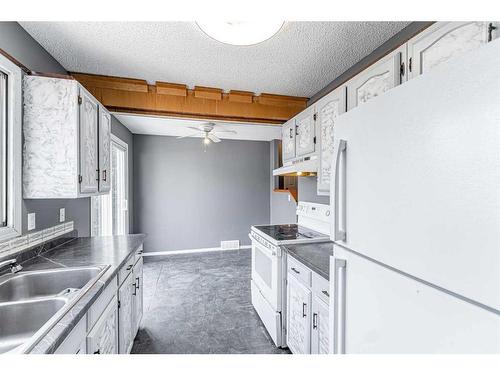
{"type": "Point", "coordinates": [206, 141]}
{"type": "Point", "coordinates": [240, 33]}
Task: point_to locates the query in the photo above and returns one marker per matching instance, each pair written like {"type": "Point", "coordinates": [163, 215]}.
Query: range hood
{"type": "Point", "coordinates": [307, 166]}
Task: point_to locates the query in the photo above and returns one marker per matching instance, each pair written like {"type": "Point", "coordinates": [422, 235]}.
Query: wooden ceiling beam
{"type": "Point", "coordinates": [170, 99]}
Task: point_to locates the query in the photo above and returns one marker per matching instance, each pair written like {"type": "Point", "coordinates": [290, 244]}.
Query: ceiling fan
{"type": "Point", "coordinates": [208, 131]}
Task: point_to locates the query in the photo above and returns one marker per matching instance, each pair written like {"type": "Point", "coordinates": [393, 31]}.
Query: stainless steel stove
{"type": "Point", "coordinates": [269, 265]}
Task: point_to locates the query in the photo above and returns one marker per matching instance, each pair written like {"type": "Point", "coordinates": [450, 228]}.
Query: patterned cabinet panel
{"type": "Point", "coordinates": [139, 294]}
{"type": "Point", "coordinates": [328, 110]}
{"type": "Point", "coordinates": [305, 132]}
{"type": "Point", "coordinates": [377, 79]}
{"type": "Point", "coordinates": [298, 313]}
{"type": "Point", "coordinates": [288, 140]}
{"type": "Point", "coordinates": [125, 315]}
{"type": "Point", "coordinates": [50, 129]}
{"type": "Point", "coordinates": [88, 143]}
{"type": "Point", "coordinates": [444, 40]}
{"type": "Point", "coordinates": [103, 338]}
{"type": "Point", "coordinates": [104, 150]}
{"type": "Point", "coordinates": [320, 326]}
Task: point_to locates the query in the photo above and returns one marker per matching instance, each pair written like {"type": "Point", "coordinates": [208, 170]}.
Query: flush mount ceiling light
{"type": "Point", "coordinates": [240, 33]}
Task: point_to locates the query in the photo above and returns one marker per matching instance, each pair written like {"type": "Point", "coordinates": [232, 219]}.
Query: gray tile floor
{"type": "Point", "coordinates": [200, 303]}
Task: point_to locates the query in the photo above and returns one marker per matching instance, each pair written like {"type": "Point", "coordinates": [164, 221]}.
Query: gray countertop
{"type": "Point", "coordinates": [84, 251]}
{"type": "Point", "coordinates": [316, 256]}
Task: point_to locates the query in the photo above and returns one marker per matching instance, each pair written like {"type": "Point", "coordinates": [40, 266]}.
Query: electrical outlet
{"type": "Point", "coordinates": [62, 215]}
{"type": "Point", "coordinates": [31, 221]}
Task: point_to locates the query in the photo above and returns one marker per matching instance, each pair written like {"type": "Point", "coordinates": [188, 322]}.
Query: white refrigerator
{"type": "Point", "coordinates": [416, 202]}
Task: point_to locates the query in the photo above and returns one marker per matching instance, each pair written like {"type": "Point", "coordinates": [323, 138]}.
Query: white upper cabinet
{"type": "Point", "coordinates": [385, 74]}
{"type": "Point", "coordinates": [305, 132]}
{"type": "Point", "coordinates": [104, 150]}
{"type": "Point", "coordinates": [444, 40]}
{"type": "Point", "coordinates": [288, 140]}
{"type": "Point", "coordinates": [89, 162]}
{"type": "Point", "coordinates": [66, 152]}
{"type": "Point", "coordinates": [328, 109]}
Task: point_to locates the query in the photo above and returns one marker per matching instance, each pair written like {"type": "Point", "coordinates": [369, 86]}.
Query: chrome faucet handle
{"type": "Point", "coordinates": [15, 268]}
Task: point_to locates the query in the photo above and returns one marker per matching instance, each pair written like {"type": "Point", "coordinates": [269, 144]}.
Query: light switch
{"type": "Point", "coordinates": [62, 215]}
{"type": "Point", "coordinates": [31, 221]}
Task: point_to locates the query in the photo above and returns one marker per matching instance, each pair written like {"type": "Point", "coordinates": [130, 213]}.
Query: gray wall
{"type": "Point", "coordinates": [19, 44]}
{"type": "Point", "coordinates": [185, 198]}
{"type": "Point", "coordinates": [283, 206]}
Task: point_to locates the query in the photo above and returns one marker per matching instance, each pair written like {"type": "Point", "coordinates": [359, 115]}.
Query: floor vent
{"type": "Point", "coordinates": [230, 245]}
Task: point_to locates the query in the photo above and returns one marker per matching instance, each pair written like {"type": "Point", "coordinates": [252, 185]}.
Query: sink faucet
{"type": "Point", "coordinates": [14, 267]}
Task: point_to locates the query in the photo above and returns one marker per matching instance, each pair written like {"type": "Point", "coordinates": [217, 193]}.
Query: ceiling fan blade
{"type": "Point", "coordinates": [194, 128]}
{"type": "Point", "coordinates": [187, 136]}
{"type": "Point", "coordinates": [213, 138]}
{"type": "Point", "coordinates": [226, 131]}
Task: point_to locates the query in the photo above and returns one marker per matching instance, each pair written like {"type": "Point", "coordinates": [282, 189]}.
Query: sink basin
{"type": "Point", "coordinates": [21, 320]}
{"type": "Point", "coordinates": [32, 302]}
{"type": "Point", "coordinates": [36, 284]}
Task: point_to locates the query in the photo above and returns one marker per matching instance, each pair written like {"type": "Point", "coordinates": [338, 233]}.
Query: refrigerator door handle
{"type": "Point", "coordinates": [340, 202]}
{"type": "Point", "coordinates": [339, 306]}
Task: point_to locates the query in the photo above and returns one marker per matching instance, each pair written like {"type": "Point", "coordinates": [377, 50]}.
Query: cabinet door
{"type": "Point", "coordinates": [320, 326]}
{"type": "Point", "coordinates": [125, 314]}
{"type": "Point", "coordinates": [103, 338]}
{"type": "Point", "coordinates": [288, 140]}
{"type": "Point", "coordinates": [328, 109]}
{"type": "Point", "coordinates": [88, 143]}
{"type": "Point", "coordinates": [138, 298]}
{"type": "Point", "coordinates": [445, 40]}
{"type": "Point", "coordinates": [104, 150]}
{"type": "Point", "coordinates": [377, 79]}
{"type": "Point", "coordinates": [305, 133]}
{"type": "Point", "coordinates": [299, 320]}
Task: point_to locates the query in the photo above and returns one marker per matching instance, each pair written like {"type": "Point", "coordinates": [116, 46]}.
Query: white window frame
{"type": "Point", "coordinates": [14, 149]}
{"type": "Point", "coordinates": [93, 209]}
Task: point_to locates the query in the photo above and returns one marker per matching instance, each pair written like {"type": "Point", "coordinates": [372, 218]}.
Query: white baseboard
{"type": "Point", "coordinates": [192, 251]}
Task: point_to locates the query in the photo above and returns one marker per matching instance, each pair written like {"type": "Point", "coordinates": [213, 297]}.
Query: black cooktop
{"type": "Point", "coordinates": [284, 232]}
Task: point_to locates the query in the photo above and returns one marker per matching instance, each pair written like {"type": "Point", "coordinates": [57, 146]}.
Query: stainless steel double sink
{"type": "Point", "coordinates": [32, 302]}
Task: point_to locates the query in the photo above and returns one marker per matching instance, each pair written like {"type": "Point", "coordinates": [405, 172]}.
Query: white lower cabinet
{"type": "Point", "coordinates": [299, 320]}
{"type": "Point", "coordinates": [320, 331]}
{"type": "Point", "coordinates": [138, 300]}
{"type": "Point", "coordinates": [307, 312]}
{"type": "Point", "coordinates": [103, 338]}
{"type": "Point", "coordinates": [111, 323]}
{"type": "Point", "coordinates": [126, 332]}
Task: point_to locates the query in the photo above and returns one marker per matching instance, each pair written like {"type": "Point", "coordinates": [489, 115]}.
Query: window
{"type": "Point", "coordinates": [110, 212]}
{"type": "Point", "coordinates": [10, 149]}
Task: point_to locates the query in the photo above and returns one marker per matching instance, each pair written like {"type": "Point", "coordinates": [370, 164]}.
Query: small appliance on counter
{"type": "Point", "coordinates": [269, 264]}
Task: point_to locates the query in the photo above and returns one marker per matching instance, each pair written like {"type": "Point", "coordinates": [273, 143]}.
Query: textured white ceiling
{"type": "Point", "coordinates": [300, 60]}
{"type": "Point", "coordinates": [153, 125]}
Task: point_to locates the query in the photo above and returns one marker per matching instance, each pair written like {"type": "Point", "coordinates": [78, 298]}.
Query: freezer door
{"type": "Point", "coordinates": [388, 312]}
{"type": "Point", "coordinates": [417, 177]}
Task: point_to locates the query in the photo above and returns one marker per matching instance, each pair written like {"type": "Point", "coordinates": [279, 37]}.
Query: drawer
{"type": "Point", "coordinates": [75, 341]}
{"type": "Point", "coordinates": [138, 253]}
{"type": "Point", "coordinates": [298, 270]}
{"type": "Point", "coordinates": [100, 303]}
{"type": "Point", "coordinates": [126, 269]}
{"type": "Point", "coordinates": [321, 287]}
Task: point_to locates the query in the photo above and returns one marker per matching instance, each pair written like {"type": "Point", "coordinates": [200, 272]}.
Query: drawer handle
{"type": "Point", "coordinates": [315, 321]}
{"type": "Point", "coordinates": [325, 292]}
{"type": "Point", "coordinates": [98, 351]}
{"type": "Point", "coordinates": [134, 293]}
{"type": "Point", "coordinates": [129, 267]}
{"type": "Point", "coordinates": [304, 305]}
{"type": "Point", "coordinates": [294, 270]}
{"type": "Point", "coordinates": [137, 283]}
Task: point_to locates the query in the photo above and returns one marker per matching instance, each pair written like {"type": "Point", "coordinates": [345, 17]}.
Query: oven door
{"type": "Point", "coordinates": [267, 274]}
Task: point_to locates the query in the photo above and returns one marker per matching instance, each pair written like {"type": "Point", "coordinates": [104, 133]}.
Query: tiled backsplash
{"type": "Point", "coordinates": [19, 244]}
